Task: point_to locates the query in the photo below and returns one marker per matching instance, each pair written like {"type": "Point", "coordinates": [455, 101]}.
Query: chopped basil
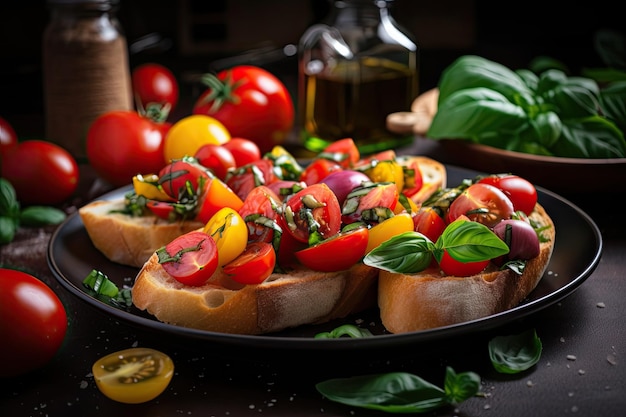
{"type": "Point", "coordinates": [344, 330]}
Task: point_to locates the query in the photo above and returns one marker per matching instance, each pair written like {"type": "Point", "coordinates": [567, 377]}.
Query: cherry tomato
{"type": "Point", "coordinates": [251, 102]}
{"type": "Point", "coordinates": [216, 195]}
{"type": "Point", "coordinates": [8, 137]}
{"type": "Point", "coordinates": [41, 172]}
{"type": "Point", "coordinates": [481, 203]}
{"type": "Point", "coordinates": [33, 322]}
{"type": "Point", "coordinates": [188, 135]}
{"type": "Point", "coordinates": [413, 180]}
{"type": "Point", "coordinates": [451, 266]}
{"type": "Point", "coordinates": [162, 209]}
{"type": "Point", "coordinates": [387, 171]}
{"type": "Point", "coordinates": [183, 177]}
{"type": "Point", "coordinates": [122, 144]}
{"type": "Point", "coordinates": [371, 203]}
{"type": "Point", "coordinates": [154, 84]}
{"type": "Point", "coordinates": [429, 223]}
{"type": "Point", "coordinates": [217, 158]}
{"type": "Point", "coordinates": [244, 151]}
{"type": "Point", "coordinates": [254, 265]}
{"type": "Point", "coordinates": [243, 179]}
{"type": "Point", "coordinates": [344, 151]}
{"type": "Point", "coordinates": [133, 376]}
{"type": "Point", "coordinates": [229, 231]}
{"type": "Point", "coordinates": [314, 209]}
{"type": "Point", "coordinates": [149, 187]}
{"type": "Point", "coordinates": [191, 258]}
{"type": "Point", "coordinates": [336, 253]}
{"type": "Point", "coordinates": [319, 169]}
{"type": "Point", "coordinates": [520, 191]}
{"type": "Point", "coordinates": [259, 208]}
{"type": "Point", "coordinates": [386, 229]}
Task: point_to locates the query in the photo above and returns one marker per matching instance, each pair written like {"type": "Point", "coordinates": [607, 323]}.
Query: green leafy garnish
{"type": "Point", "coordinates": [400, 392]}
{"type": "Point", "coordinates": [99, 286]}
{"type": "Point", "coordinates": [344, 330]}
{"type": "Point", "coordinates": [412, 252]}
{"type": "Point", "coordinates": [515, 353]}
{"type": "Point", "coordinates": [12, 216]}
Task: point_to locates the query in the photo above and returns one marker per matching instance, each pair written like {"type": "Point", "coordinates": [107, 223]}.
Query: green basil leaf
{"type": "Point", "coordinates": [407, 253]}
{"type": "Point", "coordinates": [515, 353]}
{"type": "Point", "coordinates": [395, 392]}
{"type": "Point", "coordinates": [41, 216]}
{"type": "Point", "coordinates": [468, 241]}
{"type": "Point", "coordinates": [9, 206]}
{"type": "Point", "coordinates": [344, 330]}
{"type": "Point", "coordinates": [546, 128]}
{"type": "Point", "coordinates": [460, 387]}
{"type": "Point", "coordinates": [592, 137]}
{"type": "Point", "coordinates": [573, 102]}
{"type": "Point", "coordinates": [100, 284]}
{"type": "Point", "coordinates": [8, 227]}
{"type": "Point", "coordinates": [613, 103]}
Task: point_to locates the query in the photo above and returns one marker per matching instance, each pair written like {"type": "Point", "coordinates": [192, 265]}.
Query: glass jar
{"type": "Point", "coordinates": [355, 68]}
{"type": "Point", "coordinates": [85, 67]}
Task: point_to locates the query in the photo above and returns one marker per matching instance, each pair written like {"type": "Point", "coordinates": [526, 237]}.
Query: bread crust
{"type": "Point", "coordinates": [288, 300]}
{"type": "Point", "coordinates": [128, 240]}
{"type": "Point", "coordinates": [413, 302]}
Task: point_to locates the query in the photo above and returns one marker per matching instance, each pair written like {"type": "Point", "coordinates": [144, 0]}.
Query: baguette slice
{"type": "Point", "coordinates": [412, 302]}
{"type": "Point", "coordinates": [125, 239]}
{"type": "Point", "coordinates": [282, 301]}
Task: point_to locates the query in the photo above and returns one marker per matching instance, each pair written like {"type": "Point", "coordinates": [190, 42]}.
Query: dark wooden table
{"type": "Point", "coordinates": [581, 371]}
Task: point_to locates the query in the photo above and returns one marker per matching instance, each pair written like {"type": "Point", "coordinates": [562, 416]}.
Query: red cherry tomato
{"type": "Point", "coordinates": [429, 223]}
{"type": "Point", "coordinates": [319, 169]}
{"type": "Point", "coordinates": [8, 137]}
{"type": "Point", "coordinates": [244, 151]}
{"type": "Point", "coordinates": [522, 192]}
{"type": "Point", "coordinates": [254, 105]}
{"type": "Point", "coordinates": [313, 209]}
{"type": "Point", "coordinates": [122, 144]}
{"type": "Point", "coordinates": [343, 151]}
{"type": "Point", "coordinates": [254, 265]}
{"type": "Point", "coordinates": [259, 207]}
{"type": "Point", "coordinates": [363, 203]}
{"type": "Point", "coordinates": [183, 177]}
{"type": "Point", "coordinates": [481, 203]}
{"type": "Point", "coordinates": [217, 158]}
{"type": "Point", "coordinates": [162, 209]}
{"type": "Point", "coordinates": [190, 258]}
{"type": "Point", "coordinates": [156, 84]}
{"type": "Point", "coordinates": [413, 179]}
{"type": "Point", "coordinates": [336, 253]}
{"type": "Point", "coordinates": [243, 179]}
{"type": "Point", "coordinates": [41, 172]}
{"type": "Point", "coordinates": [33, 322]}
{"type": "Point", "coordinates": [451, 266]}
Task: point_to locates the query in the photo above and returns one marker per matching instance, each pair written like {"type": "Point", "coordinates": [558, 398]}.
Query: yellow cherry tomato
{"type": "Point", "coordinates": [149, 187]}
{"type": "Point", "coordinates": [133, 376]}
{"type": "Point", "coordinates": [387, 171]}
{"type": "Point", "coordinates": [230, 232]}
{"type": "Point", "coordinates": [190, 133]}
{"type": "Point", "coordinates": [217, 195]}
{"type": "Point", "coordinates": [384, 230]}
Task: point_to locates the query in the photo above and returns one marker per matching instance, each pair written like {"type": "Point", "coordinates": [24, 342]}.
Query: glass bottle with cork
{"type": "Point", "coordinates": [85, 67]}
{"type": "Point", "coordinates": [355, 68]}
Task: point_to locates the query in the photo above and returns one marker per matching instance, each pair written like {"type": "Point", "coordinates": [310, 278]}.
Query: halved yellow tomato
{"type": "Point", "coordinates": [387, 171]}
{"type": "Point", "coordinates": [190, 133]}
{"type": "Point", "coordinates": [149, 187]}
{"type": "Point", "coordinates": [134, 375]}
{"type": "Point", "coordinates": [386, 229]}
{"type": "Point", "coordinates": [230, 232]}
{"type": "Point", "coordinates": [216, 196]}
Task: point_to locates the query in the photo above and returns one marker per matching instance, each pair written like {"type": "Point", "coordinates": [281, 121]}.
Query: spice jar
{"type": "Point", "coordinates": [85, 67]}
{"type": "Point", "coordinates": [355, 68]}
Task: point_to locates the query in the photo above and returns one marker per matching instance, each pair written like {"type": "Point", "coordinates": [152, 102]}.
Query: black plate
{"type": "Point", "coordinates": [577, 251]}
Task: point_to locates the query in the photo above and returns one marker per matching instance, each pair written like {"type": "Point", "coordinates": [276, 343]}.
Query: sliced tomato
{"type": "Point", "coordinates": [343, 151]}
{"type": "Point", "coordinates": [191, 258]}
{"type": "Point", "coordinates": [386, 229]}
{"type": "Point", "coordinates": [162, 209]}
{"type": "Point", "coordinates": [337, 253]}
{"type": "Point", "coordinates": [319, 169]}
{"type": "Point", "coordinates": [481, 203]}
{"type": "Point", "coordinates": [284, 189]}
{"type": "Point", "coordinates": [229, 231]}
{"type": "Point", "coordinates": [216, 195]}
{"type": "Point", "coordinates": [370, 203]}
{"type": "Point", "coordinates": [254, 265]}
{"type": "Point", "coordinates": [313, 214]}
{"type": "Point", "coordinates": [413, 179]}
{"type": "Point", "coordinates": [183, 177]}
{"type": "Point", "coordinates": [243, 179]}
{"type": "Point", "coordinates": [259, 211]}
{"type": "Point", "coordinates": [429, 223]}
{"type": "Point", "coordinates": [451, 266]}
{"type": "Point", "coordinates": [520, 191]}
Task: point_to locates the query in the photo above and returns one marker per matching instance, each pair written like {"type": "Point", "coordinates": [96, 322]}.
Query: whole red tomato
{"type": "Point", "coordinates": [41, 172]}
{"type": "Point", "coordinates": [8, 137]}
{"type": "Point", "coordinates": [122, 144]}
{"type": "Point", "coordinates": [156, 84]}
{"type": "Point", "coordinates": [251, 102]}
{"type": "Point", "coordinates": [33, 322]}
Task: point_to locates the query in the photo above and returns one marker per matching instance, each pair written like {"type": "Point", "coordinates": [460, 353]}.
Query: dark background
{"type": "Point", "coordinates": [193, 36]}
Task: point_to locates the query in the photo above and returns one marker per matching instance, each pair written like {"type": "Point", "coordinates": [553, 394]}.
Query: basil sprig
{"type": "Point", "coordinates": [412, 252]}
{"type": "Point", "coordinates": [400, 392]}
{"type": "Point", "coordinates": [515, 353]}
